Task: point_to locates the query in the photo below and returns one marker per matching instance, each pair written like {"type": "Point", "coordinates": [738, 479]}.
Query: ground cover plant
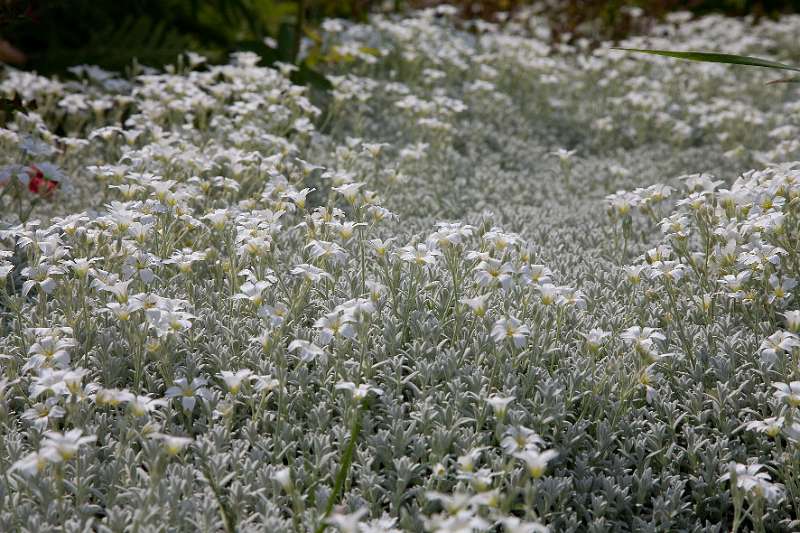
{"type": "Point", "coordinates": [486, 283]}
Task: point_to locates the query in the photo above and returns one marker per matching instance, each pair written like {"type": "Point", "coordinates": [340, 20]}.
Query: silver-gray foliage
{"type": "Point", "coordinates": [487, 284]}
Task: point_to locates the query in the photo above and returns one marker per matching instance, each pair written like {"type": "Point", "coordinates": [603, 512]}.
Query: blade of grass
{"type": "Point", "coordinates": [344, 470]}
{"type": "Point", "coordinates": [712, 57]}
{"type": "Point", "coordinates": [793, 79]}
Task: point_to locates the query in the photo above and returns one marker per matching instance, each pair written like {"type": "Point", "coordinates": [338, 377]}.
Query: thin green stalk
{"type": "Point", "coordinates": [344, 468]}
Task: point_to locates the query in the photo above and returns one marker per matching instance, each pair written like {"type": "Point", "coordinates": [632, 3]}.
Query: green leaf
{"type": "Point", "coordinates": [711, 57]}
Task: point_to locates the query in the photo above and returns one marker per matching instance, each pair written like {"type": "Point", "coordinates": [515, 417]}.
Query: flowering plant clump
{"type": "Point", "coordinates": [486, 283]}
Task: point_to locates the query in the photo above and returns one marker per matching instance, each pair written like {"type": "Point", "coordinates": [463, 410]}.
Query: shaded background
{"type": "Point", "coordinates": [50, 35]}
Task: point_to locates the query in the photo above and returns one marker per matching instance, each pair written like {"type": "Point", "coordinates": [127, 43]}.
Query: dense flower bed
{"type": "Point", "coordinates": [486, 284]}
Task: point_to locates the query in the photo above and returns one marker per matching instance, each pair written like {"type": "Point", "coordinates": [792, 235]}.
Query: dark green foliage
{"type": "Point", "coordinates": [55, 35]}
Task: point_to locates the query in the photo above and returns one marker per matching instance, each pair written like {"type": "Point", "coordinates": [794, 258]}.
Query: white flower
{"type": "Point", "coordinates": [48, 380]}
{"type": "Point", "coordinates": [188, 391]}
{"type": "Point", "coordinates": [82, 266]}
{"type": "Point", "coordinates": [349, 190]}
{"type": "Point", "coordinates": [334, 324]}
{"type": "Point", "coordinates": [347, 523]}
{"type": "Point", "coordinates": [735, 284]}
{"type": "Point", "coordinates": [781, 289]}
{"type": "Point", "coordinates": [769, 426]}
{"type": "Point", "coordinates": [284, 478]}
{"type": "Point", "coordinates": [700, 182]}
{"type": "Point", "coordinates": [298, 197]}
{"type": "Point", "coordinates": [572, 297]}
{"type": "Point", "coordinates": [358, 392]}
{"type": "Point", "coordinates": [634, 273]}
{"type": "Point", "coordinates": [595, 338]}
{"type": "Point", "coordinates": [450, 234]}
{"type": "Point", "coordinates": [536, 461]}
{"type": "Point", "coordinates": [753, 481]}
{"type": "Point", "coordinates": [536, 274]}
{"type": "Point", "coordinates": [42, 413]}
{"type": "Point", "coordinates": [234, 380]}
{"type": "Point", "coordinates": [112, 397]}
{"type": "Point", "coordinates": [777, 344]}
{"type": "Point", "coordinates": [512, 524]}
{"type": "Point", "coordinates": [643, 339]}
{"type": "Point", "coordinates": [452, 503]}
{"type": "Point", "coordinates": [419, 254]}
{"type": "Point", "coordinates": [384, 524]}
{"type": "Point", "coordinates": [345, 230]}
{"type": "Point", "coordinates": [788, 392]}
{"type": "Point", "coordinates": [327, 250]}
{"type": "Point", "coordinates": [464, 521]}
{"type": "Point", "coordinates": [183, 259]}
{"type": "Point", "coordinates": [172, 322]}
{"type": "Point", "coordinates": [667, 270]}
{"type": "Point", "coordinates": [478, 304]}
{"type": "Point", "coordinates": [311, 273]}
{"type": "Point", "coordinates": [172, 444]}
{"type": "Point", "coordinates": [512, 329]}
{"type": "Point", "coordinates": [492, 272]}
{"type": "Point", "coordinates": [358, 310]}
{"type": "Point", "coordinates": [466, 462]}
{"type": "Point", "coordinates": [380, 247]}
{"type": "Point", "coordinates": [548, 293]}
{"type": "Point", "coordinates": [621, 202]}
{"type": "Point", "coordinates": [50, 351]}
{"type": "Point", "coordinates": [66, 444]}
{"type": "Point", "coordinates": [792, 320]}
{"type": "Point", "coordinates": [252, 291]}
{"type": "Point", "coordinates": [35, 462]}
{"type": "Point", "coordinates": [563, 154]}
{"type": "Point", "coordinates": [276, 314]}
{"type": "Point", "coordinates": [143, 405]}
{"type": "Point", "coordinates": [499, 404]}
{"type": "Point", "coordinates": [308, 350]}
{"type": "Point", "coordinates": [266, 383]}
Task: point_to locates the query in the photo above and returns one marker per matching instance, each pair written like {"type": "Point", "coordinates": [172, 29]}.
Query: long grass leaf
{"type": "Point", "coordinates": [711, 57]}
